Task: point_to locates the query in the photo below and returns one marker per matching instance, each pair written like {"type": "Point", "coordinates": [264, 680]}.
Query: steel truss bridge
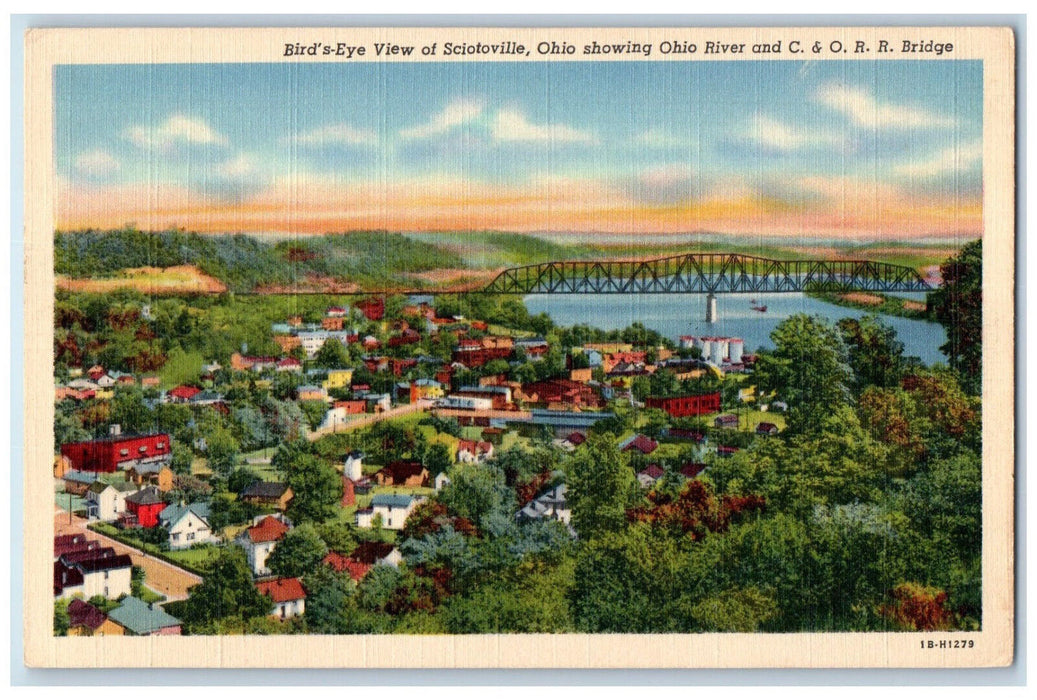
{"type": "Point", "coordinates": [707, 273]}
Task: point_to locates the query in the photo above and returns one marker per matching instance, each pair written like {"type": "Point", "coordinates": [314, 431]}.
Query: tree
{"type": "Point", "coordinates": [475, 491]}
{"type": "Point", "coordinates": [808, 368]}
{"type": "Point", "coordinates": [436, 458]}
{"type": "Point", "coordinates": [958, 306]}
{"type": "Point", "coordinates": [221, 450]}
{"type": "Point", "coordinates": [227, 591]}
{"type": "Point", "coordinates": [601, 487]}
{"type": "Point", "coordinates": [316, 486]}
{"type": "Point", "coordinates": [875, 355]}
{"type": "Point", "coordinates": [332, 355]}
{"type": "Point", "coordinates": [298, 553]}
{"type": "Point", "coordinates": [130, 411]}
{"type": "Point", "coordinates": [61, 619]}
{"type": "Point", "coordinates": [314, 412]}
{"type": "Point", "coordinates": [182, 457]}
{"type": "Point", "coordinates": [329, 600]}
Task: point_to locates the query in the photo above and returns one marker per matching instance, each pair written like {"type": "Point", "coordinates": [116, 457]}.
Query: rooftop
{"type": "Point", "coordinates": [140, 617]}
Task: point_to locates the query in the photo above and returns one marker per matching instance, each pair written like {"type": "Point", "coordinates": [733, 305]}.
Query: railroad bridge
{"type": "Point", "coordinates": [707, 273]}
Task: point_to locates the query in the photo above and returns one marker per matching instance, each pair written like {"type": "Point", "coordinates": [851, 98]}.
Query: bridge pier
{"type": "Point", "coordinates": [711, 308]}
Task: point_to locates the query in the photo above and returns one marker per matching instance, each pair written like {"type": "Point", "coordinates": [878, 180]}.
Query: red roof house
{"type": "Point", "coordinates": [146, 504]}
{"type": "Point", "coordinates": [269, 529]}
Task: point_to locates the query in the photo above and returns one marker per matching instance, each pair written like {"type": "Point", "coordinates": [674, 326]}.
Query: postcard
{"type": "Point", "coordinates": [512, 347]}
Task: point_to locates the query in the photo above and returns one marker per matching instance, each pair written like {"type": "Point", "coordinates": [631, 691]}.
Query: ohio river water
{"type": "Point", "coordinates": [675, 315]}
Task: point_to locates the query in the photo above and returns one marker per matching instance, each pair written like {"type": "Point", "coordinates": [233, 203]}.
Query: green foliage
{"type": "Point", "coordinates": [809, 369]}
{"type": "Point", "coordinates": [332, 355]}
{"type": "Point", "coordinates": [314, 412]}
{"type": "Point", "coordinates": [227, 591]}
{"type": "Point", "coordinates": [601, 487]}
{"type": "Point", "coordinates": [329, 601]}
{"type": "Point", "coordinates": [532, 600]}
{"type": "Point", "coordinates": [875, 355]}
{"type": "Point", "coordinates": [958, 305]}
{"type": "Point", "coordinates": [298, 553]}
{"type": "Point", "coordinates": [61, 619]}
{"type": "Point", "coordinates": [734, 610]}
{"type": "Point", "coordinates": [316, 486]}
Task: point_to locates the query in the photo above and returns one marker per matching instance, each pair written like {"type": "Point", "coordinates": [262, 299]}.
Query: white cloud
{"type": "Point", "coordinates": [177, 129]}
{"type": "Point", "coordinates": [950, 160]}
{"type": "Point", "coordinates": [240, 167]}
{"type": "Point", "coordinates": [864, 110]}
{"type": "Point", "coordinates": [511, 125]}
{"type": "Point", "coordinates": [96, 163]}
{"type": "Point", "coordinates": [345, 134]}
{"type": "Point", "coordinates": [455, 114]}
{"type": "Point", "coordinates": [773, 134]}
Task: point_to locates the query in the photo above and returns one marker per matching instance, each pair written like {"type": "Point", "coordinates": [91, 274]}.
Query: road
{"type": "Point", "coordinates": [367, 419]}
{"type": "Point", "coordinates": [160, 576]}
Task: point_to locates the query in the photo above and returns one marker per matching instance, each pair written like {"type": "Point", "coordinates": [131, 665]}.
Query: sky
{"type": "Point", "coordinates": [860, 150]}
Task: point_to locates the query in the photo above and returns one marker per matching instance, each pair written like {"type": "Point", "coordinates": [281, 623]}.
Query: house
{"type": "Point", "coordinates": [377, 554]}
{"type": "Point", "coordinates": [268, 493]}
{"type": "Point", "coordinates": [644, 445]}
{"type": "Point", "coordinates": [562, 423]}
{"type": "Point", "coordinates": [684, 434]}
{"type": "Point", "coordinates": [470, 451]}
{"type": "Point", "coordinates": [764, 428]}
{"type": "Point", "coordinates": [144, 619]}
{"type": "Point", "coordinates": [77, 482]}
{"type": "Point", "coordinates": [681, 406]}
{"type": "Point", "coordinates": [288, 595]}
{"type": "Point", "coordinates": [155, 474]}
{"type": "Point", "coordinates": [649, 475]}
{"type": "Point", "coordinates": [289, 364]}
{"type": "Point", "coordinates": [118, 452]}
{"type": "Point", "coordinates": [728, 420]}
{"type": "Point", "coordinates": [725, 451]}
{"type": "Point", "coordinates": [145, 505]}
{"type": "Point", "coordinates": [551, 505]}
{"type": "Point", "coordinates": [106, 501]}
{"type": "Point", "coordinates": [440, 481]}
{"type": "Point", "coordinates": [404, 472]}
{"type": "Point", "coordinates": [692, 469]}
{"type": "Point", "coordinates": [99, 571]}
{"type": "Point", "coordinates": [343, 564]}
{"type": "Point", "coordinates": [338, 379]}
{"type": "Point", "coordinates": [84, 620]}
{"type": "Point", "coordinates": [182, 394]}
{"type": "Point", "coordinates": [73, 544]}
{"type": "Point", "coordinates": [309, 392]}
{"type": "Point", "coordinates": [500, 397]}
{"type": "Point", "coordinates": [393, 510]}
{"type": "Point", "coordinates": [377, 403]}
{"type": "Point", "coordinates": [576, 438]}
{"type": "Point", "coordinates": [187, 524]}
{"type": "Point", "coordinates": [260, 539]}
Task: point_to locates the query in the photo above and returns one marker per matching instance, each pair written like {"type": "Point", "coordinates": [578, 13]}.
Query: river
{"type": "Point", "coordinates": [675, 315]}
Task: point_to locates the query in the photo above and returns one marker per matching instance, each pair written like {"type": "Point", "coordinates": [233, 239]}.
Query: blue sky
{"type": "Point", "coordinates": [616, 146]}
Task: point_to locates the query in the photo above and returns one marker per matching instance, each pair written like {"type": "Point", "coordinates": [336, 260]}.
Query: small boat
{"type": "Point", "coordinates": [761, 309]}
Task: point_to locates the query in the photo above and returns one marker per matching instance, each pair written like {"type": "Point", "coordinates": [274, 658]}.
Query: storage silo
{"type": "Point", "coordinates": [737, 348]}
{"type": "Point", "coordinates": [718, 350]}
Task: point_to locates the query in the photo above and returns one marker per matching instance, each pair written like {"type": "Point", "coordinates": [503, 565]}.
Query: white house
{"type": "Point", "coordinates": [550, 505]}
{"type": "Point", "coordinates": [393, 509]}
{"type": "Point", "coordinates": [98, 572]}
{"type": "Point", "coordinates": [441, 480]}
{"type": "Point", "coordinates": [260, 539]}
{"type": "Point", "coordinates": [187, 525]}
{"type": "Point", "coordinates": [288, 595]}
{"type": "Point", "coordinates": [106, 501]}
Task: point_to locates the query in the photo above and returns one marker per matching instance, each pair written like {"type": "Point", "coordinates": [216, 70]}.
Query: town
{"type": "Point", "coordinates": [379, 463]}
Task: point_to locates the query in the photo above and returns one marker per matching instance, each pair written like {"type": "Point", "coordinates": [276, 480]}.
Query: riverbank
{"type": "Point", "coordinates": [876, 302]}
